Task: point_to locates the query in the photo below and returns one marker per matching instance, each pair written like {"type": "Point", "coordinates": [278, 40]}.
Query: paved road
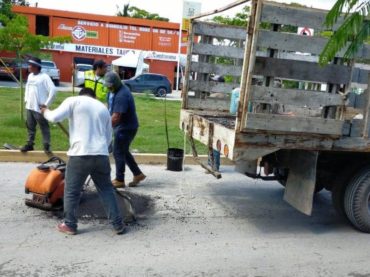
{"type": "Point", "coordinates": [189, 225]}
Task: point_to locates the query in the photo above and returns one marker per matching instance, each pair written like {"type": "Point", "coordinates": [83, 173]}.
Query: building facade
{"type": "Point", "coordinates": [105, 37]}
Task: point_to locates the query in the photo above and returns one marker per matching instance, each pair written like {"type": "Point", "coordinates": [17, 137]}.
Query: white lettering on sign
{"type": "Point", "coordinates": [88, 23]}
{"type": "Point", "coordinates": [64, 27]}
{"type": "Point", "coordinates": [128, 37]}
{"type": "Point", "coordinates": [94, 49]}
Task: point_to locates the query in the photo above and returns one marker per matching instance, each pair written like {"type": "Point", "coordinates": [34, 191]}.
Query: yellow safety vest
{"type": "Point", "coordinates": [97, 85]}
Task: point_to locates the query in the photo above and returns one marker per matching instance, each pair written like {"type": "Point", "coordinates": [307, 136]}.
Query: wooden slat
{"type": "Point", "coordinates": [290, 124]}
{"type": "Point", "coordinates": [301, 70]}
{"type": "Point", "coordinates": [217, 69]}
{"type": "Point", "coordinates": [219, 31]}
{"type": "Point", "coordinates": [213, 87]}
{"type": "Point", "coordinates": [291, 42]}
{"type": "Point", "coordinates": [218, 51]}
{"type": "Point", "coordinates": [295, 97]}
{"type": "Point", "coordinates": [283, 14]}
{"type": "Point", "coordinates": [212, 104]}
{"type": "Point", "coordinates": [360, 76]}
{"type": "Point", "coordinates": [286, 141]}
{"type": "Point", "coordinates": [303, 44]}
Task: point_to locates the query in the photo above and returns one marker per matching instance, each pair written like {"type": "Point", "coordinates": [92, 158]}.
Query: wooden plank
{"type": "Point", "coordinates": [283, 141]}
{"type": "Point", "coordinates": [299, 43]}
{"type": "Point", "coordinates": [211, 104]}
{"type": "Point", "coordinates": [295, 97]}
{"type": "Point", "coordinates": [185, 89]}
{"type": "Point", "coordinates": [365, 133]}
{"type": "Point", "coordinates": [211, 86]}
{"type": "Point", "coordinates": [217, 69]}
{"type": "Point", "coordinates": [360, 76]}
{"type": "Point", "coordinates": [227, 7]}
{"type": "Point", "coordinates": [249, 63]}
{"type": "Point", "coordinates": [219, 31]}
{"type": "Point", "coordinates": [301, 70]}
{"type": "Point", "coordinates": [352, 144]}
{"type": "Point", "coordinates": [218, 51]}
{"type": "Point", "coordinates": [291, 42]}
{"type": "Point", "coordinates": [283, 14]}
{"type": "Point", "coordinates": [291, 124]}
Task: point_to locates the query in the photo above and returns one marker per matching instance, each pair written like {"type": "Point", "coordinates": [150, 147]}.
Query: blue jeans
{"type": "Point", "coordinates": [78, 169]}
{"type": "Point", "coordinates": [122, 155]}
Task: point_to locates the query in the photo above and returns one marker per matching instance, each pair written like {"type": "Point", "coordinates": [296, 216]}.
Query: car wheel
{"type": "Point", "coordinates": [56, 83]}
{"type": "Point", "coordinates": [161, 92]}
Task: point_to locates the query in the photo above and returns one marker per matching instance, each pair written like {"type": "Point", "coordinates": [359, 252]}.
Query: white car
{"type": "Point", "coordinates": [50, 68]}
{"type": "Point", "coordinates": [79, 75]}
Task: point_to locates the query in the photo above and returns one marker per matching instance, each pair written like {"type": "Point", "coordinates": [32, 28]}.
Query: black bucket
{"type": "Point", "coordinates": [175, 158]}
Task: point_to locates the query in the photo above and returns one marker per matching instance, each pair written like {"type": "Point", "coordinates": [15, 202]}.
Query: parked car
{"type": "Point", "coordinates": [156, 83]}
{"type": "Point", "coordinates": [13, 68]}
{"type": "Point", "coordinates": [79, 74]}
{"type": "Point", "coordinates": [50, 68]}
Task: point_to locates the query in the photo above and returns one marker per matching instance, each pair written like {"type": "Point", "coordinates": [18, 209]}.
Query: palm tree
{"type": "Point", "coordinates": [125, 10]}
{"type": "Point", "coordinates": [352, 33]}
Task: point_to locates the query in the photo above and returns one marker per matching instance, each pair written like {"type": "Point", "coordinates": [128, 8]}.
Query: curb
{"type": "Point", "coordinates": [40, 156]}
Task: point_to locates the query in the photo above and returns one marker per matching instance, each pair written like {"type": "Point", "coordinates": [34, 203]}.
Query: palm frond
{"type": "Point", "coordinates": [347, 32]}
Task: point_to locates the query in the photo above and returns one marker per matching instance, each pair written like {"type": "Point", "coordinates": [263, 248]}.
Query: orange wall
{"type": "Point", "coordinates": [64, 62]}
{"type": "Point", "coordinates": [112, 31]}
{"type": "Point", "coordinates": [166, 68]}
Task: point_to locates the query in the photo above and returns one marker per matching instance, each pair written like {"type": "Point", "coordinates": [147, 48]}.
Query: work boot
{"type": "Point", "coordinates": [118, 184]}
{"type": "Point", "coordinates": [62, 227]}
{"type": "Point", "coordinates": [137, 179]}
{"type": "Point", "coordinates": [27, 147]}
{"type": "Point", "coordinates": [120, 231]}
{"type": "Point", "coordinates": [47, 149]}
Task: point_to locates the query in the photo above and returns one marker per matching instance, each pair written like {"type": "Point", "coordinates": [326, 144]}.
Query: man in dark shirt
{"type": "Point", "coordinates": [122, 108]}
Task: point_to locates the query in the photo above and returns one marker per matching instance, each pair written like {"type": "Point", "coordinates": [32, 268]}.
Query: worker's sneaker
{"type": "Point", "coordinates": [118, 184]}
{"type": "Point", "coordinates": [120, 231]}
{"type": "Point", "coordinates": [27, 147]}
{"type": "Point", "coordinates": [137, 179]}
{"type": "Point", "coordinates": [47, 149]}
{"type": "Point", "coordinates": [62, 227]}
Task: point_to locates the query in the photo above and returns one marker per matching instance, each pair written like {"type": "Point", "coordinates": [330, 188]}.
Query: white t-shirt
{"type": "Point", "coordinates": [90, 127]}
{"type": "Point", "coordinates": [40, 90]}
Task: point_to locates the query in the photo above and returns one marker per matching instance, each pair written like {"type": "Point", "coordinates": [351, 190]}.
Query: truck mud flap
{"type": "Point", "coordinates": [300, 186]}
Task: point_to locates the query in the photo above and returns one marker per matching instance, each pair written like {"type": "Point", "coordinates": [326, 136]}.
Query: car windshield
{"type": "Point", "coordinates": [83, 67]}
{"type": "Point", "coordinates": [47, 64]}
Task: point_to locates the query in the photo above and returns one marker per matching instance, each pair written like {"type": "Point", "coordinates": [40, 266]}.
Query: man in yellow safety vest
{"type": "Point", "coordinates": [94, 79]}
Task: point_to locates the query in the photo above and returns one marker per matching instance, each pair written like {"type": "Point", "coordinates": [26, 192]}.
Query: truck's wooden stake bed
{"type": "Point", "coordinates": [308, 138]}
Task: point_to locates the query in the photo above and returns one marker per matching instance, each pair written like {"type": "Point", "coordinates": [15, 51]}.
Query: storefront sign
{"type": "Point", "coordinates": [90, 49]}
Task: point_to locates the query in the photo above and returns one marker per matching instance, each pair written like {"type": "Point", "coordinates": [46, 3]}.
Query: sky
{"type": "Point", "coordinates": [171, 9]}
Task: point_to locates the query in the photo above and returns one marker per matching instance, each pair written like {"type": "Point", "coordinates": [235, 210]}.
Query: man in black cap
{"type": "Point", "coordinates": [40, 92]}
{"type": "Point", "coordinates": [121, 105]}
{"type": "Point", "coordinates": [94, 79]}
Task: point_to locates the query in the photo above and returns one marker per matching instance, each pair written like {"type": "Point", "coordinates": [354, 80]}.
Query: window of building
{"type": "Point", "coordinates": [42, 25]}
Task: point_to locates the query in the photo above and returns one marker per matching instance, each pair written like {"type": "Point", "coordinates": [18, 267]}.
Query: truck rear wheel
{"type": "Point", "coordinates": [357, 201]}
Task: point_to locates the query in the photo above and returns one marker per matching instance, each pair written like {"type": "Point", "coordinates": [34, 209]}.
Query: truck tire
{"type": "Point", "coordinates": [357, 200]}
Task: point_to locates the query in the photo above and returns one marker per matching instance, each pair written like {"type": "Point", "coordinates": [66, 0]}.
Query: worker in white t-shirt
{"type": "Point", "coordinates": [40, 91]}
{"type": "Point", "coordinates": [90, 133]}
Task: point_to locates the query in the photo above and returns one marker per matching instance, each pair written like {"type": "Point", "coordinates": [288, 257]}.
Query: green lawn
{"type": "Point", "coordinates": [150, 138]}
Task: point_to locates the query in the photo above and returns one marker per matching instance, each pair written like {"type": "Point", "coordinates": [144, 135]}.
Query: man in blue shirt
{"type": "Point", "coordinates": [121, 105]}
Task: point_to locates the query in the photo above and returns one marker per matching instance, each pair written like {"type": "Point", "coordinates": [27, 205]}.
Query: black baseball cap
{"type": "Point", "coordinates": [99, 63]}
